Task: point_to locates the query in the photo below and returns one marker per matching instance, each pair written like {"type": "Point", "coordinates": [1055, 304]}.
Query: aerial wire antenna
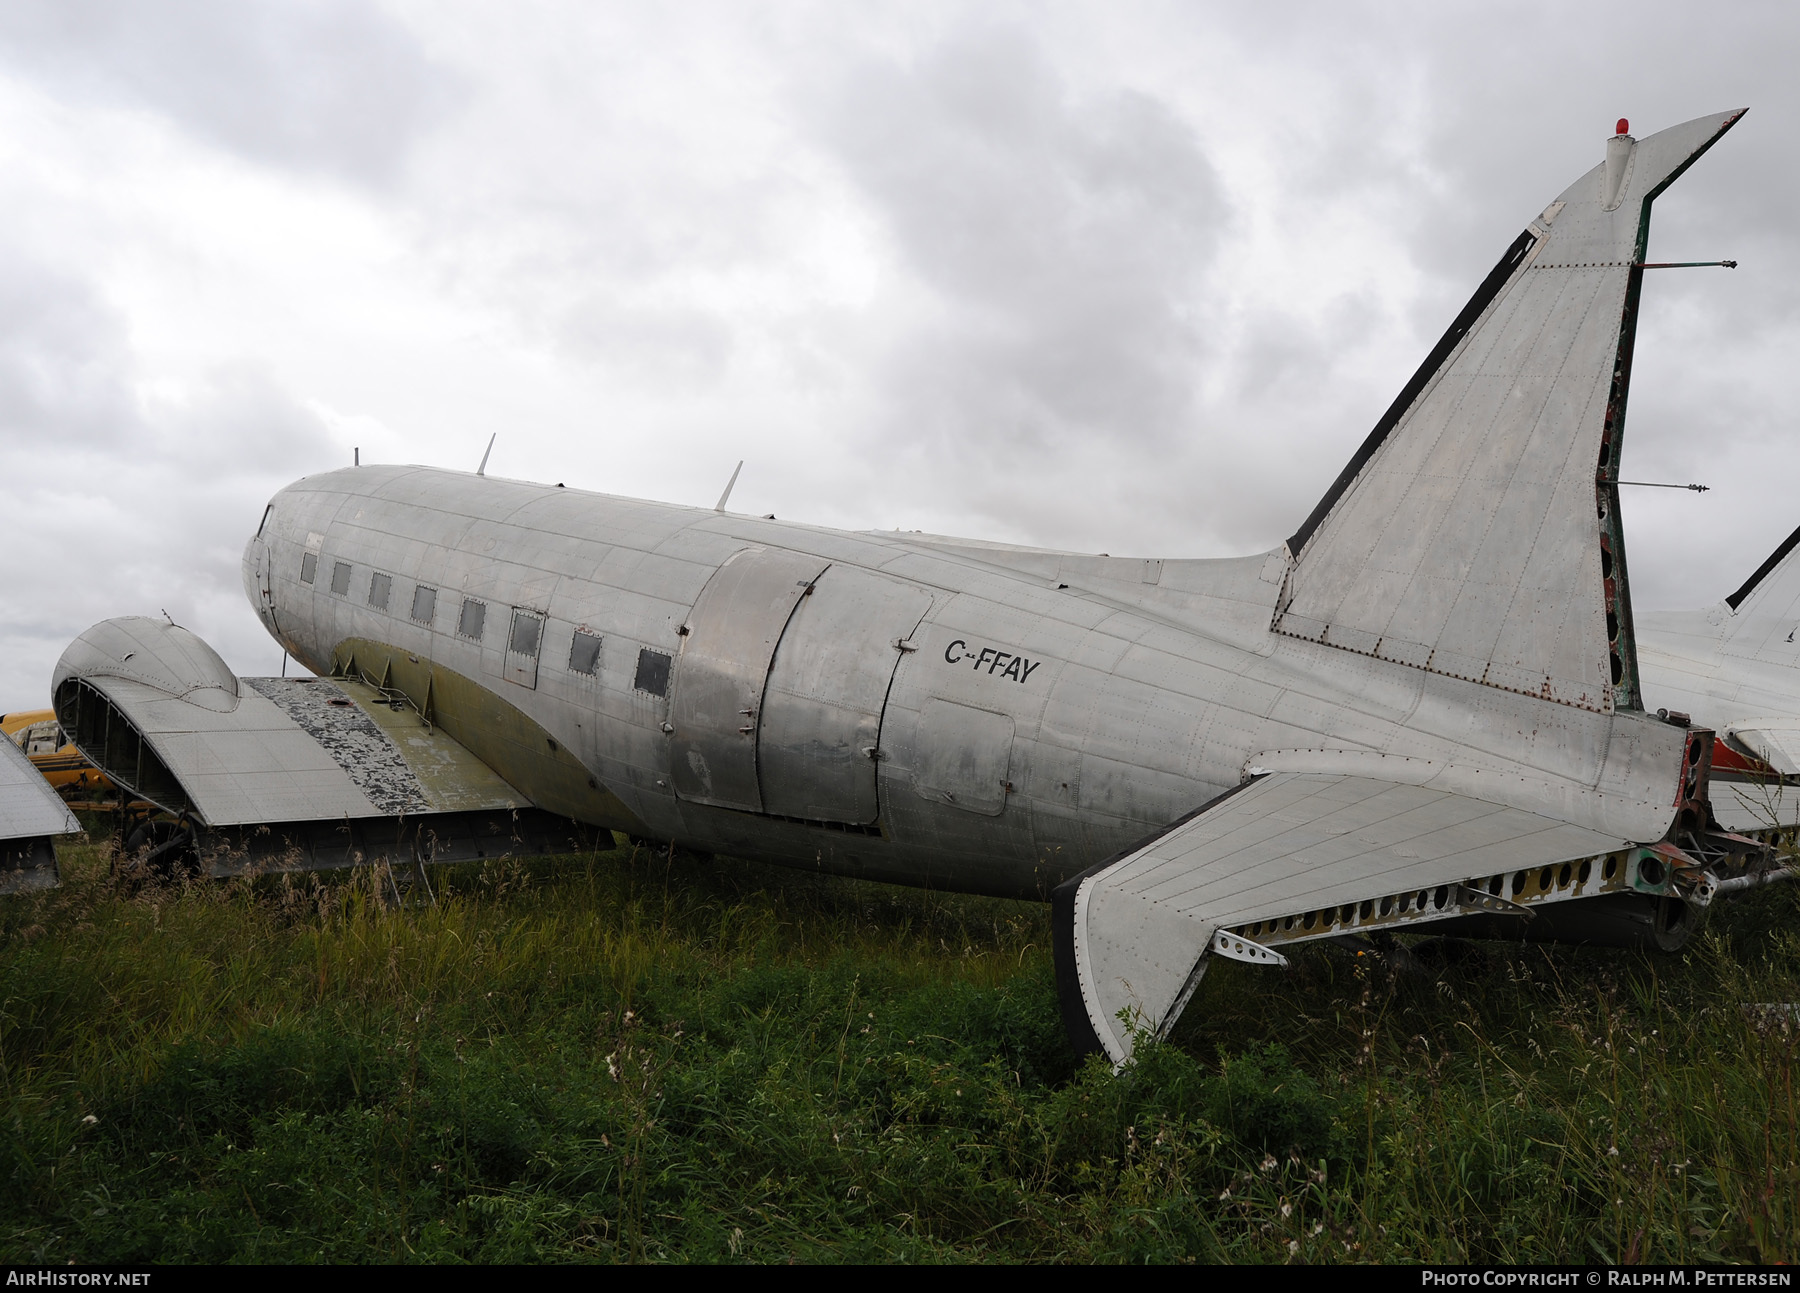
{"type": "Point", "coordinates": [728, 485]}
{"type": "Point", "coordinates": [1657, 484]}
{"type": "Point", "coordinates": [482, 470]}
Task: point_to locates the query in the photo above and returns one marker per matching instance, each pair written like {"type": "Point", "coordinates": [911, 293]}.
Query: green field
{"type": "Point", "coordinates": [629, 1056]}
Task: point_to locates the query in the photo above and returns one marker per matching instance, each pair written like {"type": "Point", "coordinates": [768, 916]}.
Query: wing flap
{"type": "Point", "coordinates": [1133, 932]}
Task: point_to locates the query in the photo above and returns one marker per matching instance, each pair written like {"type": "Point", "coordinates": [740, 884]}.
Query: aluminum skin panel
{"type": "Point", "coordinates": [962, 757]}
{"type": "Point", "coordinates": [818, 741]}
{"type": "Point", "coordinates": [1749, 805]}
{"type": "Point", "coordinates": [157, 653]}
{"type": "Point", "coordinates": [1284, 843]}
{"type": "Point", "coordinates": [29, 808]}
{"type": "Point", "coordinates": [724, 664]}
{"type": "Point", "coordinates": [1467, 543]}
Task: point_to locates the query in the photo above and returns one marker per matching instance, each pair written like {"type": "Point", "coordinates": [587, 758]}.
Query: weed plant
{"type": "Point", "coordinates": [635, 1056]}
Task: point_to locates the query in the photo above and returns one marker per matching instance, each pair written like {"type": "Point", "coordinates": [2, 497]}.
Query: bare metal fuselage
{"type": "Point", "coordinates": [892, 706]}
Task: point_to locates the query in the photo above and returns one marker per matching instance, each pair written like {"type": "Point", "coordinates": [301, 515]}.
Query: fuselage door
{"type": "Point", "coordinates": [725, 653]}
{"type": "Point", "coordinates": [820, 735]}
{"type": "Point", "coordinates": [264, 576]}
{"type": "Point", "coordinates": [522, 647]}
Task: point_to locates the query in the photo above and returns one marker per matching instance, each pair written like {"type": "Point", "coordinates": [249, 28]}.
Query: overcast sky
{"type": "Point", "coordinates": [1133, 278]}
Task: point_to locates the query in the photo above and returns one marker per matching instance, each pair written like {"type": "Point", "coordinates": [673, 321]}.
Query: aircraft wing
{"type": "Point", "coordinates": [1287, 856]}
{"type": "Point", "coordinates": [283, 772]}
{"type": "Point", "coordinates": [30, 814]}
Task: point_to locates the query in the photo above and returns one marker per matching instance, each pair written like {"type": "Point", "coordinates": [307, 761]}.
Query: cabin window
{"type": "Point", "coordinates": [584, 653]}
{"type": "Point", "coordinates": [379, 588]}
{"type": "Point", "coordinates": [424, 607]}
{"type": "Point", "coordinates": [652, 672]}
{"type": "Point", "coordinates": [472, 620]}
{"type": "Point", "coordinates": [526, 627]}
{"type": "Point", "coordinates": [309, 567]}
{"type": "Point", "coordinates": [340, 579]}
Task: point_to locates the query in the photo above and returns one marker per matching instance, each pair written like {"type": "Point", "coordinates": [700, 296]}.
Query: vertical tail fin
{"type": "Point", "coordinates": [1765, 612]}
{"type": "Point", "coordinates": [1476, 531]}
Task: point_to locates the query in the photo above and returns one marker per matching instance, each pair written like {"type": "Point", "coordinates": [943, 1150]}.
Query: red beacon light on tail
{"type": "Point", "coordinates": [1624, 127]}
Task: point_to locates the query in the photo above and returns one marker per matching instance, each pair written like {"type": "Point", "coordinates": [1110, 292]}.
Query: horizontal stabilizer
{"type": "Point", "coordinates": [30, 816]}
{"type": "Point", "coordinates": [1331, 853]}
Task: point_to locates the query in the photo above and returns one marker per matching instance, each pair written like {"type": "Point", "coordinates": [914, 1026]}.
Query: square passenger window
{"type": "Point", "coordinates": [473, 618]}
{"type": "Point", "coordinates": [340, 579]}
{"type": "Point", "coordinates": [525, 630]}
{"type": "Point", "coordinates": [584, 653]}
{"type": "Point", "coordinates": [424, 607]}
{"type": "Point", "coordinates": [652, 672]}
{"type": "Point", "coordinates": [379, 588]}
{"type": "Point", "coordinates": [309, 567]}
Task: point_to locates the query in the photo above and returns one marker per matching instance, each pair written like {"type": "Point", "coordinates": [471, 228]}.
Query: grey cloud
{"type": "Point", "coordinates": [334, 86]}
{"type": "Point", "coordinates": [1064, 239]}
{"type": "Point", "coordinates": [240, 422]}
{"type": "Point", "coordinates": [62, 351]}
{"type": "Point", "coordinates": [151, 520]}
{"type": "Point", "coordinates": [646, 342]}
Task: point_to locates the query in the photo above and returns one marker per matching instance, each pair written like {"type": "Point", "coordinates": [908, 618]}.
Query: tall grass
{"type": "Point", "coordinates": [633, 1056]}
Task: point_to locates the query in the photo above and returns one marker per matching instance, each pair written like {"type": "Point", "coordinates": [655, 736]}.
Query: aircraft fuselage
{"type": "Point", "coordinates": [894, 706]}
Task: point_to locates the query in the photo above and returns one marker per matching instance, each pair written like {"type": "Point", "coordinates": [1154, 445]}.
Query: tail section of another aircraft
{"type": "Point", "coordinates": [1735, 667]}
{"type": "Point", "coordinates": [1765, 610]}
{"type": "Point", "coordinates": [1476, 532]}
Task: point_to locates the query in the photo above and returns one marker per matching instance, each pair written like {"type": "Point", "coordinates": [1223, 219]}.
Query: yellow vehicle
{"type": "Point", "coordinates": [37, 732]}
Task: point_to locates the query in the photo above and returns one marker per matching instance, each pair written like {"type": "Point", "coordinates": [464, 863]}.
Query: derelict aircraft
{"type": "Point", "coordinates": [1734, 668]}
{"type": "Point", "coordinates": [1424, 708]}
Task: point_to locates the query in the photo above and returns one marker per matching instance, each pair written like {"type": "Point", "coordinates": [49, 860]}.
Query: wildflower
{"type": "Point", "coordinates": [1287, 1209]}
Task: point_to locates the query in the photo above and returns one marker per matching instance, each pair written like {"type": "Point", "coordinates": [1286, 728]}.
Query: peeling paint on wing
{"type": "Point", "coordinates": [351, 738]}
